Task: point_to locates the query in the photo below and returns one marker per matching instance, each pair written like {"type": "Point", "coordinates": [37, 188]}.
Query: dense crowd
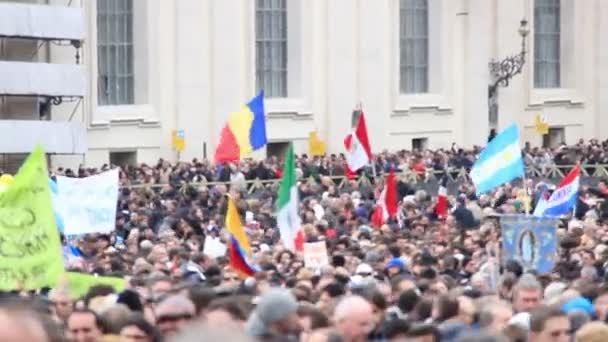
{"type": "Point", "coordinates": [416, 278]}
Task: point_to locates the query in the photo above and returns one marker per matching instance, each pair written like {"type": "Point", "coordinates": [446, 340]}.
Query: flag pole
{"type": "Point", "coordinates": [525, 186]}
{"type": "Point", "coordinates": [577, 194]}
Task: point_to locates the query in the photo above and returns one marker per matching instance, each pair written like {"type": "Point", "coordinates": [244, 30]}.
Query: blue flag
{"type": "Point", "coordinates": [530, 240]}
{"type": "Point", "coordinates": [499, 162]}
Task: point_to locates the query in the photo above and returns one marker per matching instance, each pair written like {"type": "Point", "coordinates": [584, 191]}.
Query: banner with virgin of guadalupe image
{"type": "Point", "coordinates": [529, 240]}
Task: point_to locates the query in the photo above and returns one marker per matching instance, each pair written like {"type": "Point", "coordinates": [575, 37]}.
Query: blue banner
{"type": "Point", "coordinates": [530, 240]}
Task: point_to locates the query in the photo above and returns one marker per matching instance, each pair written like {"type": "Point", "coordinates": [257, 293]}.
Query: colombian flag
{"type": "Point", "coordinates": [244, 132]}
{"type": "Point", "coordinates": [239, 246]}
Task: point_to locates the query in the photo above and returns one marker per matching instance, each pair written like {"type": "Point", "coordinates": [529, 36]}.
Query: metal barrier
{"type": "Point", "coordinates": [429, 180]}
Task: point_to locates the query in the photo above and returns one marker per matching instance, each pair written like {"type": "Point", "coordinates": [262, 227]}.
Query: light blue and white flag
{"type": "Point", "coordinates": [499, 162]}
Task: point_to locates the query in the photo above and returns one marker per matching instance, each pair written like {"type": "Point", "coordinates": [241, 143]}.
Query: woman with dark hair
{"type": "Point", "coordinates": [137, 329]}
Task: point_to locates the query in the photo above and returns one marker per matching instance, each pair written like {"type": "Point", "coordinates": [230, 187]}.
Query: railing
{"type": "Point", "coordinates": [590, 173]}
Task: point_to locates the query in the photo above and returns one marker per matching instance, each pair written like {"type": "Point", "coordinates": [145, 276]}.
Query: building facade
{"type": "Point", "coordinates": [418, 68]}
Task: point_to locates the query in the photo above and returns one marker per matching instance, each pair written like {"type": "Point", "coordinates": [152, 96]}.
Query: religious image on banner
{"type": "Point", "coordinates": [529, 240]}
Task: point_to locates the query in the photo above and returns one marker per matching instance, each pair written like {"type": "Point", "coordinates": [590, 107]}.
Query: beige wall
{"type": "Point", "coordinates": [195, 64]}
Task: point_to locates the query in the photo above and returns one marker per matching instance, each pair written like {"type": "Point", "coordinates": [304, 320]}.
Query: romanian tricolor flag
{"type": "Point", "coordinates": [239, 247]}
{"type": "Point", "coordinates": [244, 132]}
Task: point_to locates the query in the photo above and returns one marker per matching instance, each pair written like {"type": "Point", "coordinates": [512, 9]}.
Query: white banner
{"type": "Point", "coordinates": [88, 205]}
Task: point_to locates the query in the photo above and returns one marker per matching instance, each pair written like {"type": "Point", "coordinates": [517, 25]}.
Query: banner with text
{"type": "Point", "coordinates": [88, 205]}
{"type": "Point", "coordinates": [315, 255]}
{"type": "Point", "coordinates": [30, 249]}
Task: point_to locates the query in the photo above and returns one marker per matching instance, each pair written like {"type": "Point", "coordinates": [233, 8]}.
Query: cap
{"type": "Point", "coordinates": [395, 262]}
{"type": "Point", "coordinates": [522, 319]}
{"type": "Point", "coordinates": [273, 306]}
{"type": "Point", "coordinates": [580, 304]}
{"type": "Point", "coordinates": [364, 270]}
{"type": "Point", "coordinates": [554, 290]}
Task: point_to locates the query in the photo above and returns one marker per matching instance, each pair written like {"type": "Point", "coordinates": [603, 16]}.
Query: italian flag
{"type": "Point", "coordinates": [288, 220]}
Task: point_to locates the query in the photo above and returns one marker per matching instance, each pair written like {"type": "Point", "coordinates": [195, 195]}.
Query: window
{"type": "Point", "coordinates": [546, 43]}
{"type": "Point", "coordinates": [554, 138]}
{"type": "Point", "coordinates": [123, 158]}
{"type": "Point", "coordinates": [271, 47]}
{"type": "Point", "coordinates": [115, 83]}
{"type": "Point", "coordinates": [420, 144]}
{"type": "Point", "coordinates": [414, 46]}
{"type": "Point", "coordinates": [277, 149]}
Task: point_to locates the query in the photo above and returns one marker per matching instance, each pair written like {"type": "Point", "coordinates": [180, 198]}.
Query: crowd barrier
{"type": "Point", "coordinates": [591, 174]}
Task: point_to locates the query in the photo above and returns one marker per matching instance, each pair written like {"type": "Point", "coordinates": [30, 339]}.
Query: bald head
{"type": "Point", "coordinates": [353, 317]}
{"type": "Point", "coordinates": [26, 326]}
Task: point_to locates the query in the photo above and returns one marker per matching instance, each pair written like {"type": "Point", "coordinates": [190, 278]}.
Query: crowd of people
{"type": "Point", "coordinates": [416, 278]}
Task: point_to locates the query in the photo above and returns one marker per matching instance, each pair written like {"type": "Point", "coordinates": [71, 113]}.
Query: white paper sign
{"type": "Point", "coordinates": [88, 205]}
{"type": "Point", "coordinates": [315, 255]}
{"type": "Point", "coordinates": [214, 247]}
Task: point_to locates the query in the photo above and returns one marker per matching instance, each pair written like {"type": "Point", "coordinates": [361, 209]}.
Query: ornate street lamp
{"type": "Point", "coordinates": [502, 71]}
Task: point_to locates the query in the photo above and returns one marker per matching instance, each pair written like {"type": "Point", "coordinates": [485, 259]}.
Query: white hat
{"type": "Point", "coordinates": [522, 319]}
{"type": "Point", "coordinates": [364, 269]}
{"type": "Point", "coordinates": [554, 290]}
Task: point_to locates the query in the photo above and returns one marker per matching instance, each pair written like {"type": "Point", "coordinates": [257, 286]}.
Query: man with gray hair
{"type": "Point", "coordinates": [276, 316]}
{"type": "Point", "coordinates": [527, 293]}
{"type": "Point", "coordinates": [173, 314]}
{"type": "Point", "coordinates": [494, 315]}
{"type": "Point", "coordinates": [354, 318]}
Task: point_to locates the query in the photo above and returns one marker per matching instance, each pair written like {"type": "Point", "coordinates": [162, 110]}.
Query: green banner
{"type": "Point", "coordinates": [80, 283]}
{"type": "Point", "coordinates": [30, 248]}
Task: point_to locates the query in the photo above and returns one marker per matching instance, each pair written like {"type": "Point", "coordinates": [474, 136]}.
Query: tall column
{"type": "Point", "coordinates": [194, 78]}
{"type": "Point", "coordinates": [477, 78]}
{"type": "Point", "coordinates": [341, 69]}
{"type": "Point", "coordinates": [511, 99]}
{"type": "Point", "coordinates": [374, 67]}
{"type": "Point", "coordinates": [601, 51]}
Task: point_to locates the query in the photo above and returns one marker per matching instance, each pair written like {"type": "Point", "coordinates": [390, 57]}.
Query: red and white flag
{"type": "Point", "coordinates": [386, 207]}
{"type": "Point", "coordinates": [441, 208]}
{"type": "Point", "coordinates": [358, 150]}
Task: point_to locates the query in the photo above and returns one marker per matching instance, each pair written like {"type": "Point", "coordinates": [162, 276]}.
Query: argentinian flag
{"type": "Point", "coordinates": [499, 162]}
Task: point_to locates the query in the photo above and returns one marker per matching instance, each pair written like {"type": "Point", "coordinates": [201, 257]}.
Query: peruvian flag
{"type": "Point", "coordinates": [359, 152]}
{"type": "Point", "coordinates": [441, 208]}
{"type": "Point", "coordinates": [386, 207]}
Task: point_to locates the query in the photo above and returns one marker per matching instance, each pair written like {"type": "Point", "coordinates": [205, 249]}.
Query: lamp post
{"type": "Point", "coordinates": [502, 71]}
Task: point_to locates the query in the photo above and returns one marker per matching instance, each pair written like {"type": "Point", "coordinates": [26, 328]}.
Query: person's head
{"type": "Point", "coordinates": [353, 318]}
{"type": "Point", "coordinates": [548, 324]}
{"type": "Point", "coordinates": [275, 314]}
{"type": "Point", "coordinates": [137, 329]}
{"type": "Point", "coordinates": [84, 325]}
{"type": "Point", "coordinates": [423, 333]}
{"type": "Point", "coordinates": [466, 309]}
{"type": "Point", "coordinates": [173, 313]}
{"type": "Point", "coordinates": [527, 293]}
{"type": "Point", "coordinates": [324, 335]}
{"type": "Point", "coordinates": [331, 292]}
{"type": "Point", "coordinates": [201, 296]}
{"type": "Point", "coordinates": [593, 332]}
{"type": "Point", "coordinates": [160, 285]}
{"type": "Point", "coordinates": [225, 312]}
{"type": "Point", "coordinates": [445, 307]}
{"type": "Point", "coordinates": [20, 323]}
{"type": "Point", "coordinates": [401, 284]}
{"type": "Point", "coordinates": [494, 316]}
{"type": "Point", "coordinates": [62, 303]}
{"type": "Point", "coordinates": [379, 305]}
{"type": "Point", "coordinates": [396, 330]}
{"type": "Point", "coordinates": [601, 305]}
{"type": "Point", "coordinates": [312, 318]}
